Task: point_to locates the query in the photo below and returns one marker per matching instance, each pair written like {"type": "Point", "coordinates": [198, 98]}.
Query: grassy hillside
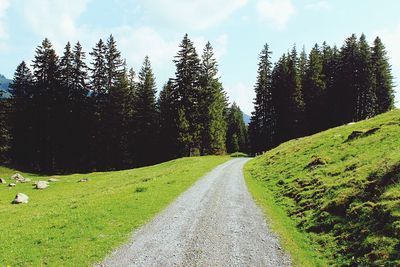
{"type": "Point", "coordinates": [77, 224]}
{"type": "Point", "coordinates": [334, 197]}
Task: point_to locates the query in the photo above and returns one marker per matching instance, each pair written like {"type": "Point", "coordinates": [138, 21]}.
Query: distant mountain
{"type": "Point", "coordinates": [4, 85]}
{"type": "Point", "coordinates": [246, 118]}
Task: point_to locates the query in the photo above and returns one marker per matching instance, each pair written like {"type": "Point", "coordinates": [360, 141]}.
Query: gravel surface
{"type": "Point", "coordinates": [214, 223]}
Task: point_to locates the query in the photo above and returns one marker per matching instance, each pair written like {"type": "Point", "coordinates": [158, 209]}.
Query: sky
{"type": "Point", "coordinates": [237, 29]}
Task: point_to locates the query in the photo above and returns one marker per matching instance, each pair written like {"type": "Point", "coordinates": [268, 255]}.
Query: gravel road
{"type": "Point", "coordinates": [214, 223]}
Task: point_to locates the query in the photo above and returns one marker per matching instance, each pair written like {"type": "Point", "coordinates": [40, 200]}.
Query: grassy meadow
{"type": "Point", "coordinates": [334, 197]}
{"type": "Point", "coordinates": [77, 224]}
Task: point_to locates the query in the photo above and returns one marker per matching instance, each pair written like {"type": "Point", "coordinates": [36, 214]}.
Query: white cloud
{"type": "Point", "coordinates": [136, 43]}
{"type": "Point", "coordinates": [243, 94]}
{"type": "Point", "coordinates": [192, 15]}
{"type": "Point", "coordinates": [277, 12]}
{"type": "Point", "coordinates": [55, 19]}
{"type": "Point", "coordinates": [318, 5]}
{"type": "Point", "coordinates": [4, 4]}
{"type": "Point", "coordinates": [391, 39]}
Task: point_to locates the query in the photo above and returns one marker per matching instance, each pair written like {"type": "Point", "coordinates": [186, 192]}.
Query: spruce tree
{"type": "Point", "coordinates": [314, 92]}
{"type": "Point", "coordinates": [168, 133]}
{"type": "Point", "coordinates": [48, 105]}
{"type": "Point", "coordinates": [114, 63]}
{"type": "Point", "coordinates": [366, 97]}
{"type": "Point", "coordinates": [236, 136]}
{"type": "Point", "coordinates": [383, 78]}
{"type": "Point", "coordinates": [21, 123]}
{"type": "Point", "coordinates": [186, 85]}
{"type": "Point", "coordinates": [288, 100]}
{"type": "Point", "coordinates": [146, 117]}
{"type": "Point", "coordinates": [348, 78]}
{"type": "Point", "coordinates": [263, 119]}
{"type": "Point", "coordinates": [212, 105]}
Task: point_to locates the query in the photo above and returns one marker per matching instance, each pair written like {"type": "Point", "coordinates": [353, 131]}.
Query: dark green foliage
{"type": "Point", "coordinates": [314, 91]}
{"type": "Point", "coordinates": [21, 124]}
{"type": "Point", "coordinates": [145, 116]}
{"type": "Point", "coordinates": [187, 91]}
{"type": "Point", "coordinates": [168, 133]}
{"type": "Point", "coordinates": [383, 79]}
{"type": "Point", "coordinates": [306, 95]}
{"type": "Point", "coordinates": [236, 136]}
{"type": "Point", "coordinates": [212, 106]}
{"type": "Point", "coordinates": [262, 127]}
{"type": "Point", "coordinates": [288, 98]}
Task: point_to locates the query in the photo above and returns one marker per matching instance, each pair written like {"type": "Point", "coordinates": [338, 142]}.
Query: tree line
{"type": "Point", "coordinates": [66, 115]}
{"type": "Point", "coordinates": [303, 94]}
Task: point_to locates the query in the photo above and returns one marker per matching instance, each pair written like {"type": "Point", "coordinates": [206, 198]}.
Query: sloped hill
{"type": "Point", "coordinates": [334, 197]}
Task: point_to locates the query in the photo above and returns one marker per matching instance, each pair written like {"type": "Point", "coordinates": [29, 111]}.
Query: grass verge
{"type": "Point", "coordinates": [78, 224]}
{"type": "Point", "coordinates": [334, 197]}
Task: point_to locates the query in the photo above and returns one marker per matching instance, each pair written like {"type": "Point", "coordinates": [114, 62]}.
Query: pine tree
{"type": "Point", "coordinates": [146, 115]}
{"type": "Point", "coordinates": [236, 136]}
{"type": "Point", "coordinates": [168, 133]}
{"type": "Point", "coordinates": [114, 63]}
{"type": "Point", "coordinates": [366, 97]}
{"type": "Point", "coordinates": [286, 86]}
{"type": "Point", "coordinates": [263, 119]}
{"type": "Point", "coordinates": [98, 102]}
{"type": "Point", "coordinates": [79, 111]}
{"type": "Point", "coordinates": [383, 78]}
{"type": "Point", "coordinates": [330, 71]}
{"type": "Point", "coordinates": [212, 105]}
{"type": "Point", "coordinates": [22, 144]}
{"type": "Point", "coordinates": [348, 78]}
{"type": "Point", "coordinates": [48, 103]}
{"type": "Point", "coordinates": [186, 85]}
{"type": "Point", "coordinates": [314, 92]}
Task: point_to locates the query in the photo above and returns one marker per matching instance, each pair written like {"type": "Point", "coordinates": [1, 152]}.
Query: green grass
{"type": "Point", "coordinates": [335, 201]}
{"type": "Point", "coordinates": [238, 155]}
{"type": "Point", "coordinates": [78, 224]}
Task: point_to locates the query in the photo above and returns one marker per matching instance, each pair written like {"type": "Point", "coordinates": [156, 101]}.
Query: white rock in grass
{"type": "Point", "coordinates": [18, 177]}
{"type": "Point", "coordinates": [42, 185]}
{"type": "Point", "coordinates": [11, 185]}
{"type": "Point", "coordinates": [26, 180]}
{"type": "Point", "coordinates": [83, 180]}
{"type": "Point", "coordinates": [20, 198]}
{"type": "Point", "coordinates": [2, 181]}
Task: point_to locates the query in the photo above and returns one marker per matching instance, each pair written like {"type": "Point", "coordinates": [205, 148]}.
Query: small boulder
{"type": "Point", "coordinates": [20, 198]}
{"type": "Point", "coordinates": [18, 177]}
{"type": "Point", "coordinates": [42, 185]}
{"type": "Point", "coordinates": [2, 181]}
{"type": "Point", "coordinates": [83, 180]}
{"type": "Point", "coordinates": [11, 185]}
{"type": "Point", "coordinates": [26, 180]}
{"type": "Point", "coordinates": [53, 180]}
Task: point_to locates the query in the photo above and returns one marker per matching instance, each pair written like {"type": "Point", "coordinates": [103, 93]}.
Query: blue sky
{"type": "Point", "coordinates": [237, 29]}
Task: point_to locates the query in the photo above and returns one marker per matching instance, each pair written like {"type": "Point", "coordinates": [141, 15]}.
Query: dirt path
{"type": "Point", "coordinates": [214, 223]}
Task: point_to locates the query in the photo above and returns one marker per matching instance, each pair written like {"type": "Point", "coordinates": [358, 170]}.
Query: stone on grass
{"type": "Point", "coordinates": [2, 181]}
{"type": "Point", "coordinates": [26, 180]}
{"type": "Point", "coordinates": [42, 185]}
{"type": "Point", "coordinates": [20, 198]}
{"type": "Point", "coordinates": [83, 180]}
{"type": "Point", "coordinates": [18, 177]}
{"type": "Point", "coordinates": [53, 180]}
{"type": "Point", "coordinates": [11, 185]}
